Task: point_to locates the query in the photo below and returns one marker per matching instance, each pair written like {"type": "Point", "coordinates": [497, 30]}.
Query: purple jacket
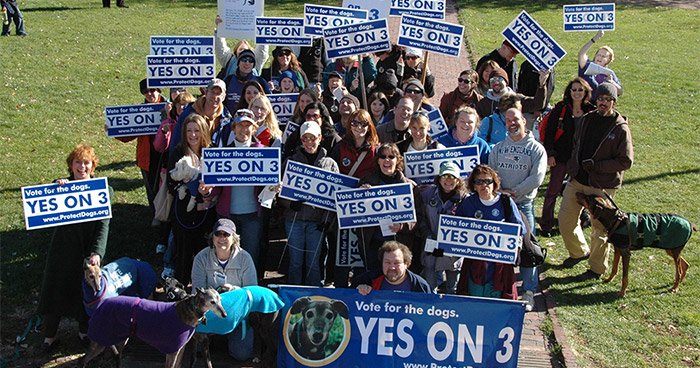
{"type": "Point", "coordinates": [155, 323]}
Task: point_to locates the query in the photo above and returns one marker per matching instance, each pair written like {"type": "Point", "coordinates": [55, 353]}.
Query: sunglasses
{"type": "Point", "coordinates": [496, 79]}
{"type": "Point", "coordinates": [601, 98]}
{"type": "Point", "coordinates": [222, 233]}
{"type": "Point", "coordinates": [449, 176]}
{"type": "Point", "coordinates": [285, 52]}
{"type": "Point", "coordinates": [312, 116]}
{"type": "Point", "coordinates": [247, 60]}
{"type": "Point", "coordinates": [387, 157]}
{"type": "Point", "coordinates": [464, 80]}
{"type": "Point", "coordinates": [309, 139]}
{"type": "Point", "coordinates": [483, 181]}
{"type": "Point", "coordinates": [411, 57]}
{"type": "Point", "coordinates": [414, 91]}
{"type": "Point", "coordinates": [577, 90]}
{"type": "Point", "coordinates": [363, 124]}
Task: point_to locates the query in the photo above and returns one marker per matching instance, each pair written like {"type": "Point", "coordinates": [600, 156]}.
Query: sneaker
{"type": "Point", "coordinates": [167, 272]}
{"type": "Point", "coordinates": [160, 248]}
{"type": "Point", "coordinates": [529, 298]}
{"type": "Point", "coordinates": [588, 275]}
{"type": "Point", "coordinates": [571, 262]}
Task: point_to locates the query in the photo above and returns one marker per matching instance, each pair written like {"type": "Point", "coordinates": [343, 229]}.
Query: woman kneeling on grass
{"type": "Point", "coordinates": [71, 247]}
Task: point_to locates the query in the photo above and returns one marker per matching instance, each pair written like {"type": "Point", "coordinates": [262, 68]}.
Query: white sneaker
{"type": "Point", "coordinates": [167, 272]}
{"type": "Point", "coordinates": [160, 248]}
{"type": "Point", "coordinates": [529, 297]}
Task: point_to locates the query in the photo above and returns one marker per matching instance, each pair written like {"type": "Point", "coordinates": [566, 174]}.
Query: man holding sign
{"type": "Point", "coordinates": [304, 223]}
{"type": "Point", "coordinates": [478, 277]}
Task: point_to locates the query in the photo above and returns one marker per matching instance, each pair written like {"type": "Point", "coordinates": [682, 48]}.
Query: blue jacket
{"type": "Point", "coordinates": [176, 135]}
{"type": "Point", "coordinates": [449, 141]}
{"type": "Point", "coordinates": [499, 130]}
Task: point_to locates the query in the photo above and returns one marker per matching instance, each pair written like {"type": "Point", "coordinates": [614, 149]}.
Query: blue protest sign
{"type": "Point", "coordinates": [130, 120]}
{"type": "Point", "coordinates": [78, 201]}
{"type": "Point", "coordinates": [182, 45]}
{"type": "Point", "coordinates": [431, 35]}
{"type": "Point", "coordinates": [533, 42]}
{"type": "Point", "coordinates": [376, 9]}
{"type": "Point", "coordinates": [318, 17]}
{"type": "Point", "coordinates": [424, 165]}
{"type": "Point", "coordinates": [179, 71]}
{"type": "Point", "coordinates": [432, 9]}
{"type": "Point", "coordinates": [283, 106]}
{"type": "Point", "coordinates": [396, 329]}
{"type": "Point", "coordinates": [438, 127]}
{"type": "Point", "coordinates": [366, 207]}
{"type": "Point", "coordinates": [288, 130]}
{"type": "Point", "coordinates": [280, 31]}
{"type": "Point", "coordinates": [479, 239]}
{"type": "Point", "coordinates": [241, 166]}
{"type": "Point", "coordinates": [348, 249]}
{"type": "Point", "coordinates": [315, 186]}
{"type": "Point", "coordinates": [356, 39]}
{"type": "Point", "coordinates": [589, 17]}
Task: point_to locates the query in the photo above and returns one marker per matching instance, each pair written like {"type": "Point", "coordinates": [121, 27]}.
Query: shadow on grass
{"type": "Point", "coordinates": [117, 165]}
{"type": "Point", "coordinates": [665, 175]}
{"type": "Point", "coordinates": [49, 9]}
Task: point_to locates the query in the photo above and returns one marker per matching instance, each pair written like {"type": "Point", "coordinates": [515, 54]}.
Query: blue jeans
{"type": "Point", "coordinates": [529, 274]}
{"type": "Point", "coordinates": [239, 347]}
{"type": "Point", "coordinates": [305, 243]}
{"type": "Point", "coordinates": [249, 227]}
{"type": "Point", "coordinates": [432, 277]}
{"type": "Point", "coordinates": [169, 252]}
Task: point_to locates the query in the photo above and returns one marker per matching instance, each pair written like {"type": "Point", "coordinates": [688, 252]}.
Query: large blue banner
{"type": "Point", "coordinates": [315, 186]}
{"type": "Point", "coordinates": [241, 166]}
{"type": "Point", "coordinates": [325, 327]}
{"type": "Point", "coordinates": [125, 121]}
{"type": "Point", "coordinates": [531, 40]}
{"type": "Point", "coordinates": [78, 201]}
{"type": "Point", "coordinates": [424, 165]}
{"type": "Point", "coordinates": [365, 207]}
{"type": "Point", "coordinates": [182, 45]}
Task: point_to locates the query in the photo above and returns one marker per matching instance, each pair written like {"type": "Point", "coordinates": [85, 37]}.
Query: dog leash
{"type": "Point", "coordinates": [35, 322]}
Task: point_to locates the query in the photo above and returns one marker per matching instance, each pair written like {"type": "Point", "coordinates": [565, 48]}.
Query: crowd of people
{"type": "Point", "coordinates": [221, 241]}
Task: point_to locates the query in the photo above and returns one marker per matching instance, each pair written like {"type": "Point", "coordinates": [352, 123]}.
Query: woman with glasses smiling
{"type": "Point", "coordinates": [558, 141]}
{"type": "Point", "coordinates": [316, 112]}
{"type": "Point", "coordinates": [355, 153]}
{"type": "Point", "coordinates": [464, 94]}
{"type": "Point", "coordinates": [225, 266]}
{"type": "Point", "coordinates": [484, 278]}
{"type": "Point", "coordinates": [388, 169]}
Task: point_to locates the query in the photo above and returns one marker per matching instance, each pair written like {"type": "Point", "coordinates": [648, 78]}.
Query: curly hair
{"type": "Point", "coordinates": [82, 151]}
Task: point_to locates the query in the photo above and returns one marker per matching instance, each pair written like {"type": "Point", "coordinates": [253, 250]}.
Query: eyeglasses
{"type": "Point", "coordinates": [309, 139]}
{"type": "Point", "coordinates": [312, 116]}
{"type": "Point", "coordinates": [284, 52]}
{"type": "Point", "coordinates": [602, 98]}
{"type": "Point", "coordinates": [483, 181]}
{"type": "Point", "coordinates": [464, 80]}
{"type": "Point", "coordinates": [363, 124]}
{"type": "Point", "coordinates": [412, 57]}
{"type": "Point", "coordinates": [222, 234]}
{"type": "Point", "coordinates": [449, 176]}
{"type": "Point", "coordinates": [577, 90]}
{"type": "Point", "coordinates": [496, 79]}
{"type": "Point", "coordinates": [387, 157]}
{"type": "Point", "coordinates": [414, 91]}
{"type": "Point", "coordinates": [247, 59]}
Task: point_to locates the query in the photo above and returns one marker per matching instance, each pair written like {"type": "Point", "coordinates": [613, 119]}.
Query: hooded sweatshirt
{"type": "Point", "coordinates": [521, 165]}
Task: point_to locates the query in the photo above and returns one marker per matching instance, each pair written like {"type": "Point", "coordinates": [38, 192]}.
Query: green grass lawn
{"type": "Point", "coordinates": [80, 57]}
{"type": "Point", "coordinates": [657, 60]}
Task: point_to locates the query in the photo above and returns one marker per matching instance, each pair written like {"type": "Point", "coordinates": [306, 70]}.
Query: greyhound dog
{"type": "Point", "coordinates": [309, 335]}
{"type": "Point", "coordinates": [634, 231]}
{"type": "Point", "coordinates": [166, 326]}
{"type": "Point", "coordinates": [125, 276]}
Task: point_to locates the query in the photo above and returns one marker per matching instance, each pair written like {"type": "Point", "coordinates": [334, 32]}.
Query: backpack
{"type": "Point", "coordinates": [532, 254]}
{"type": "Point", "coordinates": [560, 125]}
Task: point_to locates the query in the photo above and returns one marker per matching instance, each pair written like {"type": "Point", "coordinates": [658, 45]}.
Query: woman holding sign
{"type": "Point", "coordinates": [483, 278]}
{"type": "Point", "coordinates": [189, 227]}
{"type": "Point", "coordinates": [596, 72]}
{"type": "Point", "coordinates": [268, 127]}
{"type": "Point", "coordinates": [304, 223]}
{"type": "Point", "coordinates": [71, 247]}
{"type": "Point", "coordinates": [388, 170]}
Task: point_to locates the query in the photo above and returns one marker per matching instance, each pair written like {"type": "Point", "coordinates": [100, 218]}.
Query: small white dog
{"type": "Point", "coordinates": [186, 172]}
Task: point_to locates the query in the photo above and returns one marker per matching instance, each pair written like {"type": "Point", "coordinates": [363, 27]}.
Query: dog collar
{"type": "Point", "coordinates": [197, 312]}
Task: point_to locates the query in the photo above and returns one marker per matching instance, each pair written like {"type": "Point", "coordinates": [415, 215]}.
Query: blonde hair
{"type": "Point", "coordinates": [270, 120]}
{"type": "Point", "coordinates": [610, 51]}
